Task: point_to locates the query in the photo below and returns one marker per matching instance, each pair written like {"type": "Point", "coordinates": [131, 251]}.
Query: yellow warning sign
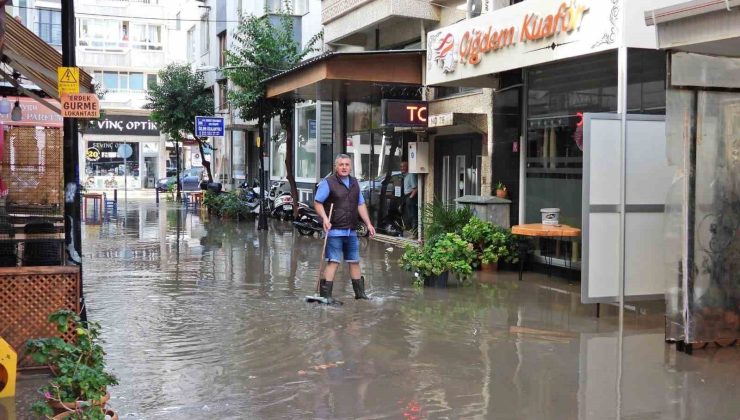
{"type": "Point", "coordinates": [68, 79]}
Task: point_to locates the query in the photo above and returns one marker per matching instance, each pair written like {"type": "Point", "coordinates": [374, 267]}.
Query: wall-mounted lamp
{"type": "Point", "coordinates": [4, 106]}
{"type": "Point", "coordinates": [17, 113]}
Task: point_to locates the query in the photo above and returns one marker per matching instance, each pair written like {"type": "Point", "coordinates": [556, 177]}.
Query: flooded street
{"type": "Point", "coordinates": [206, 319]}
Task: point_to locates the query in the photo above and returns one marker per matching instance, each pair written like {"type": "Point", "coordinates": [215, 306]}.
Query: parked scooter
{"type": "Point", "coordinates": [251, 196]}
{"type": "Point", "coordinates": [280, 201]}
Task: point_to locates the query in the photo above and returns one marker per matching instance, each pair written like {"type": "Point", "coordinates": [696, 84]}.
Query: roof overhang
{"type": "Point", "coordinates": [35, 59]}
{"type": "Point", "coordinates": [348, 75]}
{"type": "Point", "coordinates": [700, 26]}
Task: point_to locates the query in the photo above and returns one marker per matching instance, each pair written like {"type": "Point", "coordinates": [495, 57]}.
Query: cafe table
{"type": "Point", "coordinates": [539, 230]}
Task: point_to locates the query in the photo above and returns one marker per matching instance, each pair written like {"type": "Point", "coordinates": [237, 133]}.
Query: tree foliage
{"type": "Point", "coordinates": [175, 101]}
{"type": "Point", "coordinates": [262, 48]}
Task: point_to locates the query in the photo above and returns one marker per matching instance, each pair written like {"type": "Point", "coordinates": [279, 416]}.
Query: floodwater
{"type": "Point", "coordinates": [206, 319]}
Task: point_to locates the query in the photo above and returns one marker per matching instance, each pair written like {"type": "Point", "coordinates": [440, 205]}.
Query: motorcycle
{"type": "Point", "coordinates": [280, 201]}
{"type": "Point", "coordinates": [251, 196]}
{"type": "Point", "coordinates": [308, 222]}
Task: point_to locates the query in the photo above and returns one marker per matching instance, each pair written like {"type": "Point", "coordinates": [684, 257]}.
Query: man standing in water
{"type": "Point", "coordinates": [342, 190]}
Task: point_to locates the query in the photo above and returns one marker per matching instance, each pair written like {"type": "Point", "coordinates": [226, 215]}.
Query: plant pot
{"type": "Point", "coordinates": [489, 266]}
{"type": "Point", "coordinates": [62, 407]}
{"type": "Point", "coordinates": [501, 193]}
{"type": "Point", "coordinates": [437, 281]}
{"type": "Point", "coordinates": [109, 414]}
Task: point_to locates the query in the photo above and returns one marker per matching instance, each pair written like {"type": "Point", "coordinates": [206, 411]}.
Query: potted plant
{"type": "Point", "coordinates": [78, 387]}
{"type": "Point", "coordinates": [432, 263]}
{"type": "Point", "coordinates": [501, 191]}
{"type": "Point", "coordinates": [491, 243]}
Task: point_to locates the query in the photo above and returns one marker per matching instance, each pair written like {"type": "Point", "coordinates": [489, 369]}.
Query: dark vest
{"type": "Point", "coordinates": [345, 202]}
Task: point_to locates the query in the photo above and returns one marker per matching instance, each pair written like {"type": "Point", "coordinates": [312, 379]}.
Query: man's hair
{"type": "Point", "coordinates": [341, 156]}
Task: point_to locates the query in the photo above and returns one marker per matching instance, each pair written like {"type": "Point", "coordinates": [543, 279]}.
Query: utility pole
{"type": "Point", "coordinates": [72, 217]}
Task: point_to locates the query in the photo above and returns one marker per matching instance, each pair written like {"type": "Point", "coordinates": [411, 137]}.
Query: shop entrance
{"type": "Point", "coordinates": [150, 171]}
{"type": "Point", "coordinates": [457, 164]}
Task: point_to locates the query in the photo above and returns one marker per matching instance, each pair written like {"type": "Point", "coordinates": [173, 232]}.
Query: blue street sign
{"type": "Point", "coordinates": [209, 126]}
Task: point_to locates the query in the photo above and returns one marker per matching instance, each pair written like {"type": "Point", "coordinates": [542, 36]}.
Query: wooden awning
{"type": "Point", "coordinates": [35, 59]}
{"type": "Point", "coordinates": [348, 75]}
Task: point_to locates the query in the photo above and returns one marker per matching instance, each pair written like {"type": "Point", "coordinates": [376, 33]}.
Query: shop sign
{"type": "Point", "coordinates": [399, 113]}
{"type": "Point", "coordinates": [107, 151]}
{"type": "Point", "coordinates": [124, 125]}
{"type": "Point", "coordinates": [35, 114]}
{"type": "Point", "coordinates": [80, 105]}
{"type": "Point", "coordinates": [521, 35]}
{"type": "Point", "coordinates": [441, 120]}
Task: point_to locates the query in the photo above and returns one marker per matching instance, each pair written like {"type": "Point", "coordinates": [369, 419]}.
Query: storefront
{"type": "Point", "coordinates": [703, 126]}
{"type": "Point", "coordinates": [124, 150]}
{"type": "Point", "coordinates": [551, 64]}
{"type": "Point", "coordinates": [343, 115]}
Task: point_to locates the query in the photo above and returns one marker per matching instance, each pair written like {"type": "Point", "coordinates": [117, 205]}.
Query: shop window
{"type": "Point", "coordinates": [306, 143]}
{"type": "Point", "coordinates": [646, 77]}
{"type": "Point", "coordinates": [278, 150]}
{"type": "Point", "coordinates": [49, 26]}
{"type": "Point", "coordinates": [362, 116]}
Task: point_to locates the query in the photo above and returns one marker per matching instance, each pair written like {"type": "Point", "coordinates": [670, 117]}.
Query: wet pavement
{"type": "Point", "coordinates": [206, 319]}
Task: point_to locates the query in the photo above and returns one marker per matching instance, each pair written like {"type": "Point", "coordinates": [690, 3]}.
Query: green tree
{"type": "Point", "coordinates": [175, 101]}
{"type": "Point", "coordinates": [263, 47]}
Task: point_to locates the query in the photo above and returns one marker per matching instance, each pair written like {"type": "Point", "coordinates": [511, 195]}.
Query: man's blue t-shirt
{"type": "Point", "coordinates": [322, 193]}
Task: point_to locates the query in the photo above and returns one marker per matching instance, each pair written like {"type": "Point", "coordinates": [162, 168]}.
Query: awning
{"type": "Point", "coordinates": [35, 59]}
{"type": "Point", "coordinates": [348, 75]}
{"type": "Point", "coordinates": [699, 26]}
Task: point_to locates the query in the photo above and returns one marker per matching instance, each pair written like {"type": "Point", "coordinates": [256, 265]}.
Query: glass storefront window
{"type": "Point", "coordinates": [306, 143]}
{"type": "Point", "coordinates": [103, 167]}
{"type": "Point", "coordinates": [239, 155]}
{"type": "Point", "coordinates": [362, 116]}
{"type": "Point", "coordinates": [278, 150]}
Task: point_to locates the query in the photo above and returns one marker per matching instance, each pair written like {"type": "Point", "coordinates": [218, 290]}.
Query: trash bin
{"type": "Point", "coordinates": [491, 209]}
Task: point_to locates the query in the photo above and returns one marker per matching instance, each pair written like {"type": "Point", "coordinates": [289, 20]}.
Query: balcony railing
{"type": "Point", "coordinates": [139, 1]}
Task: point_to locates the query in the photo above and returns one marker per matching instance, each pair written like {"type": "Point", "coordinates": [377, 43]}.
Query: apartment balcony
{"type": "Point", "coordinates": [354, 21]}
{"type": "Point", "coordinates": [152, 9]}
{"type": "Point", "coordinates": [128, 58]}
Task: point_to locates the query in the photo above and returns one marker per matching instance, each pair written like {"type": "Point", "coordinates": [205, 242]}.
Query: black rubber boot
{"type": "Point", "coordinates": [359, 288]}
{"type": "Point", "coordinates": [325, 288]}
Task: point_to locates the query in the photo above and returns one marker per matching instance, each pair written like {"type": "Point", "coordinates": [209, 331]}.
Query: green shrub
{"type": "Point", "coordinates": [448, 252]}
{"type": "Point", "coordinates": [440, 218]}
{"type": "Point", "coordinates": [491, 243]}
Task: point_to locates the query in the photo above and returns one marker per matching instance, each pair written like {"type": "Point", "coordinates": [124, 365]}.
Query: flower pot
{"type": "Point", "coordinates": [66, 406]}
{"type": "Point", "coordinates": [489, 266]}
{"type": "Point", "coordinates": [109, 414]}
{"type": "Point", "coordinates": [501, 193]}
{"type": "Point", "coordinates": [437, 281]}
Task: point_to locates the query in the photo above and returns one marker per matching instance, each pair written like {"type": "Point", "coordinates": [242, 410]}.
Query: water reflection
{"type": "Point", "coordinates": [205, 317]}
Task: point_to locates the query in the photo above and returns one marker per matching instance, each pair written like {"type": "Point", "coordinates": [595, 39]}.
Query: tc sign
{"type": "Point", "coordinates": [209, 126]}
{"type": "Point", "coordinates": [397, 113]}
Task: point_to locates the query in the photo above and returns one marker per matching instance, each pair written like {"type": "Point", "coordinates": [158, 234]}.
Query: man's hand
{"type": "Point", "coordinates": [371, 230]}
{"type": "Point", "coordinates": [327, 225]}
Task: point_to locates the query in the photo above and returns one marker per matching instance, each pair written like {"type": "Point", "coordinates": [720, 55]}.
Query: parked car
{"type": "Point", "coordinates": [371, 190]}
{"type": "Point", "coordinates": [164, 184]}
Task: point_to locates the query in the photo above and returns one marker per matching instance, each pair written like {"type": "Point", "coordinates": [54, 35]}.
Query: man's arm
{"type": "Point", "coordinates": [319, 207]}
{"type": "Point", "coordinates": [362, 209]}
{"type": "Point", "coordinates": [414, 182]}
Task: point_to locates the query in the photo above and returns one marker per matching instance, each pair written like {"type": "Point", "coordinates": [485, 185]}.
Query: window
{"type": "Point", "coordinates": [204, 31]}
{"type": "Point", "coordinates": [223, 102]}
{"type": "Point", "coordinates": [123, 81]}
{"type": "Point", "coordinates": [191, 44]}
{"type": "Point", "coordinates": [151, 80]}
{"type": "Point", "coordinates": [306, 143]}
{"type": "Point", "coordinates": [222, 49]}
{"type": "Point", "coordinates": [102, 34]}
{"type": "Point", "coordinates": [49, 26]}
{"type": "Point", "coordinates": [146, 37]}
{"type": "Point", "coordinates": [297, 7]}
{"type": "Point", "coordinates": [278, 150]}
